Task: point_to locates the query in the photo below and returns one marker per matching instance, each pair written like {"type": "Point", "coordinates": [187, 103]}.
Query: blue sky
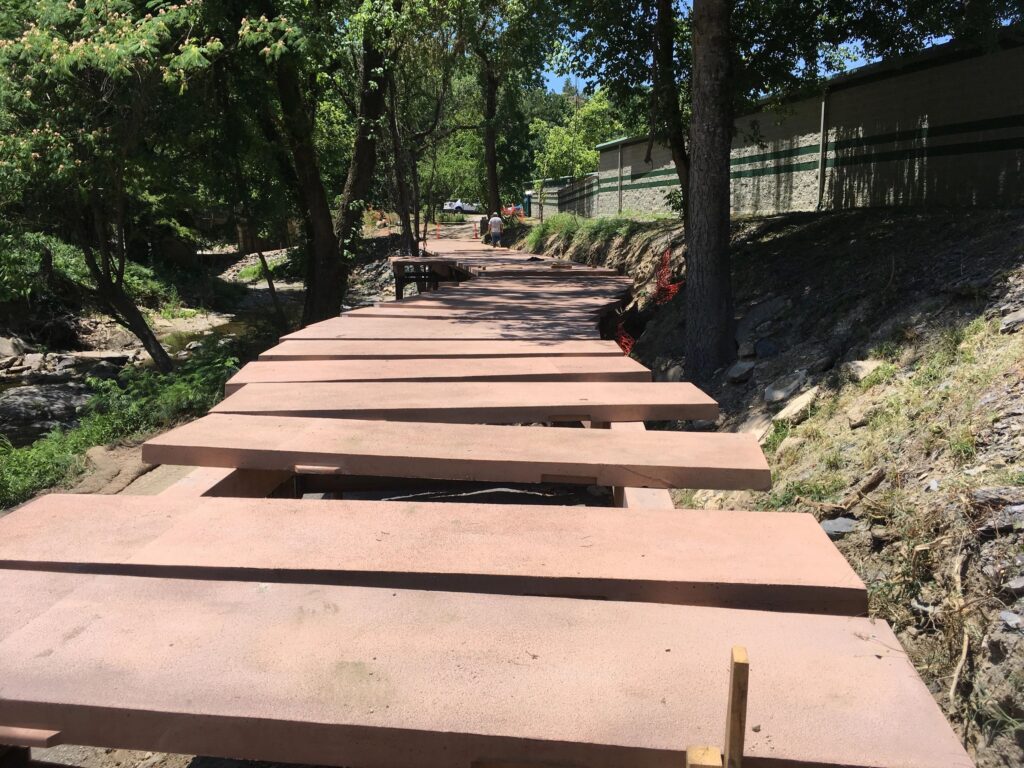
{"type": "Point", "coordinates": [554, 81]}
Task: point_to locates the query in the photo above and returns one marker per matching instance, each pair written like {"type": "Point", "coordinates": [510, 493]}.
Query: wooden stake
{"type": "Point", "coordinates": [703, 757]}
{"type": "Point", "coordinates": [736, 715]}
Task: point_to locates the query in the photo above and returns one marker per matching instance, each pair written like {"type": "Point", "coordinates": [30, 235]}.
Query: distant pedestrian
{"type": "Point", "coordinates": [496, 226]}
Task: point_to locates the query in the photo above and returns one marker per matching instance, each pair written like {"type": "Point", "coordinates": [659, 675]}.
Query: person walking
{"type": "Point", "coordinates": [496, 227]}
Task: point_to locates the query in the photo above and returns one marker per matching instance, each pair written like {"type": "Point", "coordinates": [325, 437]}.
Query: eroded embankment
{"type": "Point", "coordinates": [881, 356]}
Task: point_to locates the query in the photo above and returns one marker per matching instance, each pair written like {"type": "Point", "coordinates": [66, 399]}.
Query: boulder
{"type": "Point", "coordinates": [746, 350]}
{"type": "Point", "coordinates": [758, 314]}
{"type": "Point", "coordinates": [784, 387]}
{"type": "Point", "coordinates": [30, 412]}
{"type": "Point", "coordinates": [799, 408]}
{"type": "Point", "coordinates": [34, 361]}
{"type": "Point", "coordinates": [860, 414]}
{"type": "Point", "coordinates": [766, 348]}
{"type": "Point", "coordinates": [740, 371]}
{"type": "Point", "coordinates": [1015, 586]}
{"type": "Point", "coordinates": [790, 444]}
{"type": "Point", "coordinates": [11, 346]}
{"type": "Point", "coordinates": [858, 370]}
{"type": "Point", "coordinates": [1012, 322]}
{"type": "Point", "coordinates": [757, 424]}
{"type": "Point", "coordinates": [839, 527]}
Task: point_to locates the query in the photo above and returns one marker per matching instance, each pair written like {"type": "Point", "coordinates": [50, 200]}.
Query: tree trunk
{"type": "Point", "coordinates": [325, 271]}
{"type": "Point", "coordinates": [490, 83]}
{"type": "Point", "coordinates": [401, 164]}
{"type": "Point", "coordinates": [708, 292]}
{"type": "Point", "coordinates": [414, 172]}
{"type": "Point", "coordinates": [372, 91]}
{"type": "Point", "coordinates": [121, 307]}
{"type": "Point", "coordinates": [279, 316]}
{"type": "Point", "coordinates": [666, 93]}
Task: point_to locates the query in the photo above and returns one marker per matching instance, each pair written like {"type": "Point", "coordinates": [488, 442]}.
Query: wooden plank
{"type": "Point", "coordinates": [736, 714]}
{"type": "Point", "coordinates": [351, 349]}
{"type": "Point", "coordinates": [762, 560]}
{"type": "Point", "coordinates": [471, 369]}
{"type": "Point", "coordinates": [467, 452]}
{"type": "Point", "coordinates": [476, 401]}
{"type": "Point", "coordinates": [349, 676]}
{"type": "Point", "coordinates": [401, 328]}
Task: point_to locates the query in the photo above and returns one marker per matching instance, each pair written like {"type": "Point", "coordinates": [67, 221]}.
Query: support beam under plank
{"type": "Point", "coordinates": [352, 676]}
{"type": "Point", "coordinates": [227, 481]}
{"type": "Point", "coordinates": [353, 349]}
{"type": "Point", "coordinates": [466, 452]}
{"type": "Point", "coordinates": [653, 498]}
{"type": "Point", "coordinates": [756, 560]}
{"type": "Point", "coordinates": [475, 401]}
{"type": "Point", "coordinates": [472, 369]}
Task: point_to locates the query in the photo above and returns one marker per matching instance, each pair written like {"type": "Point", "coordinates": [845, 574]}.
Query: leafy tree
{"type": "Point", "coordinates": [510, 40]}
{"type": "Point", "coordinates": [87, 92]}
{"type": "Point", "coordinates": [569, 149]}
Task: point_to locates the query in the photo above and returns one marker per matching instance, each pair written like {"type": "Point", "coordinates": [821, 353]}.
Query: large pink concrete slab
{"type": "Point", "coordinates": [453, 369]}
{"type": "Point", "coordinates": [421, 328]}
{"type": "Point", "coordinates": [466, 452]}
{"type": "Point", "coordinates": [650, 498]}
{"type": "Point", "coordinates": [350, 349]}
{"type": "Point", "coordinates": [767, 561]}
{"type": "Point", "coordinates": [490, 402]}
{"type": "Point", "coordinates": [24, 596]}
{"type": "Point", "coordinates": [410, 679]}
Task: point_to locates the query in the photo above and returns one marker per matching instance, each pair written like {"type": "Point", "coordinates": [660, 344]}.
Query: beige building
{"type": "Point", "coordinates": [944, 127]}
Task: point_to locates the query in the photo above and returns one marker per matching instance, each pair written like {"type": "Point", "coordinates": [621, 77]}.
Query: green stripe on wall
{"type": "Point", "coordinates": [950, 129]}
{"type": "Point", "coordinates": [945, 150]}
{"type": "Point", "coordinates": [866, 158]}
{"type": "Point", "coordinates": [807, 149]}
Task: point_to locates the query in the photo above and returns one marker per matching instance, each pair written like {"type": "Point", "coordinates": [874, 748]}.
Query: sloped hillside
{"type": "Point", "coordinates": [881, 363]}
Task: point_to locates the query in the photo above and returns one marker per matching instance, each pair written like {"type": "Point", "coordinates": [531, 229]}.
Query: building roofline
{"type": "Point", "coordinates": [1010, 36]}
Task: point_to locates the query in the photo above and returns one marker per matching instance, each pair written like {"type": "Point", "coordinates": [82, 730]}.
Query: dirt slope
{"type": "Point", "coordinates": [892, 338]}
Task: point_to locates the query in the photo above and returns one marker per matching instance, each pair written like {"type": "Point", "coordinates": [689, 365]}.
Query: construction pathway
{"type": "Point", "coordinates": [295, 598]}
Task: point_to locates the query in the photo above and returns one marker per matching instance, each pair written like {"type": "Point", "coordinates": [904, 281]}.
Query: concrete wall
{"type": "Point", "coordinates": [943, 128]}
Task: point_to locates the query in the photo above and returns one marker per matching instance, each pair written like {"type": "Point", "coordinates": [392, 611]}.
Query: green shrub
{"type": "Point", "coordinates": [562, 225]}
{"type": "Point", "coordinates": [141, 401]}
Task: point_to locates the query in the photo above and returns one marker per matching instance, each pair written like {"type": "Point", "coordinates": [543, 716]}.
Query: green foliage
{"type": "Point", "coordinates": [572, 229]}
{"type": "Point", "coordinates": [883, 374]}
{"type": "Point", "coordinates": [143, 400]}
{"type": "Point", "coordinates": [569, 149]}
{"type": "Point", "coordinates": [22, 279]}
{"type": "Point", "coordinates": [780, 431]}
{"type": "Point", "coordinates": [564, 225]}
{"type": "Point", "coordinates": [812, 489]}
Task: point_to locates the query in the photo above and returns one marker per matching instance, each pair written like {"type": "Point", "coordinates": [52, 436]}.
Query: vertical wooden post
{"type": "Point", "coordinates": [703, 757]}
{"type": "Point", "coordinates": [736, 715]}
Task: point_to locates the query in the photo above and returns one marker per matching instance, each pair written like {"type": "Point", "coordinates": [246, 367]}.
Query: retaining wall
{"type": "Point", "coordinates": [945, 127]}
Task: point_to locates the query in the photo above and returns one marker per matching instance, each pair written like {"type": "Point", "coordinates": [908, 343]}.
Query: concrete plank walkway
{"type": "Point", "coordinates": [768, 561]}
{"type": "Point", "coordinates": [476, 402]}
{"type": "Point", "coordinates": [544, 369]}
{"type": "Point", "coordinates": [466, 452]}
{"type": "Point", "coordinates": [343, 676]}
{"type": "Point", "coordinates": [353, 349]}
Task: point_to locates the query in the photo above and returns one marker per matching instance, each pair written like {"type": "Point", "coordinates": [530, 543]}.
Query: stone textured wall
{"type": "Point", "coordinates": [941, 129]}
